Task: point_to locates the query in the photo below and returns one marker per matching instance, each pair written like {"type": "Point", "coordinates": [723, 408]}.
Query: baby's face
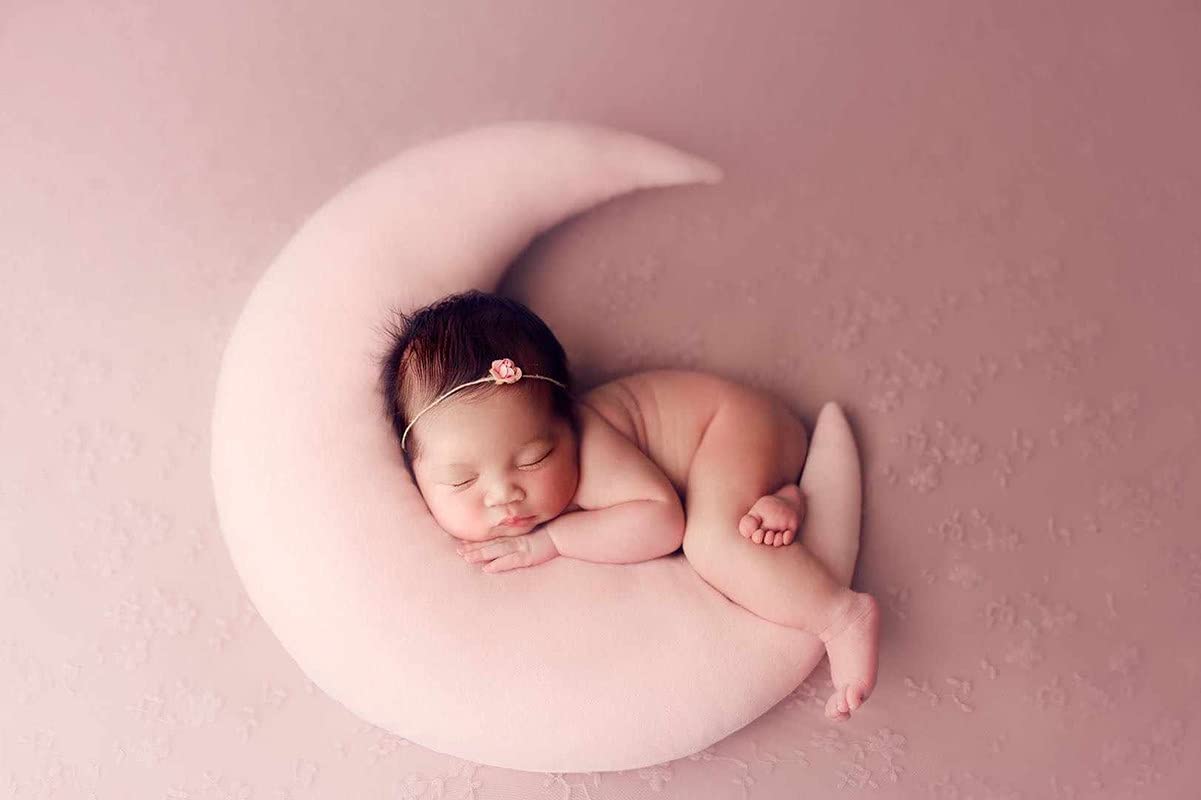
{"type": "Point", "coordinates": [486, 461]}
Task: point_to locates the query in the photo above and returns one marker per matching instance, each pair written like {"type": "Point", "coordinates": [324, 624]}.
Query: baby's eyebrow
{"type": "Point", "coordinates": [531, 441]}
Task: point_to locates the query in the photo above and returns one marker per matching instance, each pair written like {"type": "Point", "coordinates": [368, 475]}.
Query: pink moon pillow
{"type": "Point", "coordinates": [571, 666]}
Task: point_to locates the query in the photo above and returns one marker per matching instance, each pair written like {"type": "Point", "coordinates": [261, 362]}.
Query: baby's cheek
{"type": "Point", "coordinates": [454, 518]}
{"type": "Point", "coordinates": [560, 488]}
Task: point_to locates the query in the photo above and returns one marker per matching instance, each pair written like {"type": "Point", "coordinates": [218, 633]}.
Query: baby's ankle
{"type": "Point", "coordinates": [790, 492]}
{"type": "Point", "coordinates": [845, 608]}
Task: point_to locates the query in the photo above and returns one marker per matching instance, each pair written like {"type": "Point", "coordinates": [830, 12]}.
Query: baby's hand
{"type": "Point", "coordinates": [510, 552]}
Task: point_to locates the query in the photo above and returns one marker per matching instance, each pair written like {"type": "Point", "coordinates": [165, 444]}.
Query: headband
{"type": "Point", "coordinates": [503, 371]}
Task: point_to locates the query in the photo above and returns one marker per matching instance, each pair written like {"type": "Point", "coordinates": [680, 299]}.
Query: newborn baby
{"type": "Point", "coordinates": [513, 464]}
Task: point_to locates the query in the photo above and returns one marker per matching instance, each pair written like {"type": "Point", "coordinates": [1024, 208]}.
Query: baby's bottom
{"type": "Point", "coordinates": [752, 447]}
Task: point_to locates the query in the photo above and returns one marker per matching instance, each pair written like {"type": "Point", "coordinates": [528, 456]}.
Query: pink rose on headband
{"type": "Point", "coordinates": [504, 371]}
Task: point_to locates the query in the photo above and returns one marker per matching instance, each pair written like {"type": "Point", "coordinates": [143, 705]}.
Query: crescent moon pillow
{"type": "Point", "coordinates": [570, 666]}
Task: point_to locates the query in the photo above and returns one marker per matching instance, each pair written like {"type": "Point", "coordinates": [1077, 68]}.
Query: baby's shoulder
{"type": "Point", "coordinates": [664, 412]}
{"type": "Point", "coordinates": [614, 402]}
{"type": "Point", "coordinates": [613, 467]}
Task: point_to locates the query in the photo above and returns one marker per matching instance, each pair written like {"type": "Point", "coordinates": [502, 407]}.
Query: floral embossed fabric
{"type": "Point", "coordinates": [972, 226]}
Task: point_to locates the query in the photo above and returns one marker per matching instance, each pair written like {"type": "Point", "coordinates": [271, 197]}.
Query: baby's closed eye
{"type": "Point", "coordinates": [522, 466]}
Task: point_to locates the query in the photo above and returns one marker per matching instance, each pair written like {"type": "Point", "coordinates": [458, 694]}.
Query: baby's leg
{"type": "Point", "coordinates": [752, 447]}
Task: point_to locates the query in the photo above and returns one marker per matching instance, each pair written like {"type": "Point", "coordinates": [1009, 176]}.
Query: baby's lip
{"type": "Point", "coordinates": [515, 520]}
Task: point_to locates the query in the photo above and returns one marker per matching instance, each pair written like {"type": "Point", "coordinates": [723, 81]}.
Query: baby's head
{"type": "Point", "coordinates": [487, 452]}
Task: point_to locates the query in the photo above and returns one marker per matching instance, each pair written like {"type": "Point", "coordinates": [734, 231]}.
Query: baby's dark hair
{"type": "Point", "coordinates": [455, 340]}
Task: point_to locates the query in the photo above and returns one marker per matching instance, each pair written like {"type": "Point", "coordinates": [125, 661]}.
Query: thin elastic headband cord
{"type": "Point", "coordinates": [503, 371]}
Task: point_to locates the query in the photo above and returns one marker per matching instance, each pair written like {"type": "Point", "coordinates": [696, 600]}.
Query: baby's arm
{"type": "Point", "coordinates": [628, 509]}
{"type": "Point", "coordinates": [626, 533]}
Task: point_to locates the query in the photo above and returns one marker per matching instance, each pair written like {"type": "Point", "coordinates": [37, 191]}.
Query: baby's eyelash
{"type": "Point", "coordinates": [539, 461]}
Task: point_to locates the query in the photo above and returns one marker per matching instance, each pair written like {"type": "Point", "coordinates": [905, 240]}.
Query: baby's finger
{"type": "Point", "coordinates": [485, 551]}
{"type": "Point", "coordinates": [505, 563]}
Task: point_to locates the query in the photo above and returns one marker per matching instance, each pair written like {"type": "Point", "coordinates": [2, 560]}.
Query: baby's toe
{"type": "Point", "coordinates": [832, 707]}
{"type": "Point", "coordinates": [749, 524]}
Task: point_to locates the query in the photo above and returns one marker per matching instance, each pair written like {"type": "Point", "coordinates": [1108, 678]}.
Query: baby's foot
{"type": "Point", "coordinates": [774, 518]}
{"type": "Point", "coordinates": [852, 642]}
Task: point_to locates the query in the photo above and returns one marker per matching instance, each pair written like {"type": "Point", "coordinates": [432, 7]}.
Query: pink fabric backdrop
{"type": "Point", "coordinates": [971, 224]}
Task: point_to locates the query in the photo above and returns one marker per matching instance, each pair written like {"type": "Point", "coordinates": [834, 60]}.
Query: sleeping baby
{"type": "Point", "coordinates": [519, 469]}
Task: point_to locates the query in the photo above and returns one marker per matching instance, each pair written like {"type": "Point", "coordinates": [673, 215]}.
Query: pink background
{"type": "Point", "coordinates": [973, 225]}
